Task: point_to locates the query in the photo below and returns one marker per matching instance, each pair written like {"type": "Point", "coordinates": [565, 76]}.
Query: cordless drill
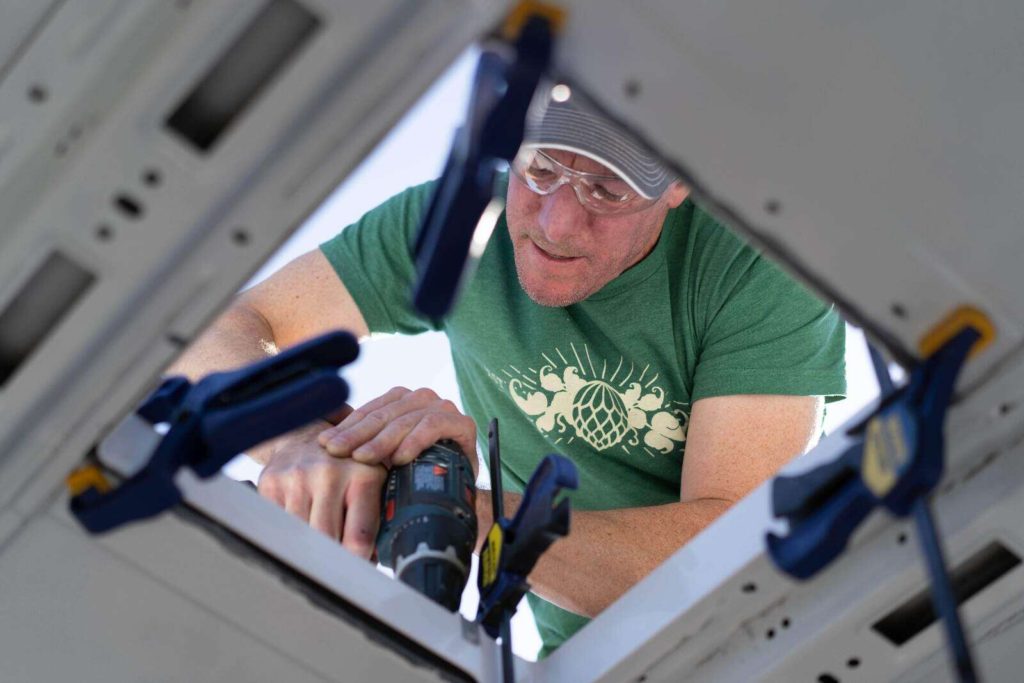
{"type": "Point", "coordinates": [428, 523]}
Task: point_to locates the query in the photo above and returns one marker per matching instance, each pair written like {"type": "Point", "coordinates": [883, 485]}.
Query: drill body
{"type": "Point", "coordinates": [428, 523]}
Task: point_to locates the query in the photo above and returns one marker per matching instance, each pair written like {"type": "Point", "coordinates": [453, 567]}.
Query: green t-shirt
{"type": "Point", "coordinates": [609, 381]}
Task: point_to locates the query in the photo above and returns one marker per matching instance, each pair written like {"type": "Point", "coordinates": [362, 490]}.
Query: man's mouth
{"type": "Point", "coordinates": [550, 256]}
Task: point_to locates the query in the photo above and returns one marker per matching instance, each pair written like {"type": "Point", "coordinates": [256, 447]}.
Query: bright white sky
{"type": "Point", "coordinates": [415, 151]}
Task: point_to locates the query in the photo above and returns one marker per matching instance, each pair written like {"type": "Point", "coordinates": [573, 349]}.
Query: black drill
{"type": "Point", "coordinates": [428, 523]}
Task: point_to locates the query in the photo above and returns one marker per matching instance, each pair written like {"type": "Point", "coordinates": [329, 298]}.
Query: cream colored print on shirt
{"type": "Point", "coordinates": [577, 398]}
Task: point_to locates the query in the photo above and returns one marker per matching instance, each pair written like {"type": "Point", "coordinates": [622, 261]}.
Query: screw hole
{"type": "Point", "coordinates": [129, 206]}
{"type": "Point", "coordinates": [177, 340]}
{"type": "Point", "coordinates": [827, 678]}
{"type": "Point", "coordinates": [151, 177]}
{"type": "Point", "coordinates": [785, 622]}
{"type": "Point", "coordinates": [899, 311]}
{"type": "Point", "coordinates": [852, 662]}
{"type": "Point", "coordinates": [749, 588]}
{"type": "Point", "coordinates": [769, 634]}
{"type": "Point", "coordinates": [240, 237]}
{"type": "Point", "coordinates": [1006, 408]}
{"type": "Point", "coordinates": [631, 88]}
{"type": "Point", "coordinates": [104, 233]}
{"type": "Point", "coordinates": [901, 539]}
{"type": "Point", "coordinates": [37, 93]}
{"type": "Point", "coordinates": [772, 207]}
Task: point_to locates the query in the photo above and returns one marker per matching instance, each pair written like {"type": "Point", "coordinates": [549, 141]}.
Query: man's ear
{"type": "Point", "coordinates": [676, 194]}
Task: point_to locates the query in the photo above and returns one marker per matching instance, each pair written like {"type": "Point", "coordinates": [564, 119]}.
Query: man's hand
{"type": "Point", "coordinates": [310, 473]}
{"type": "Point", "coordinates": [337, 496]}
{"type": "Point", "coordinates": [395, 428]}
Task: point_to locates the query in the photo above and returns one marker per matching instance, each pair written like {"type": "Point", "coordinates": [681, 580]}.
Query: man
{"type": "Point", "coordinates": [610, 319]}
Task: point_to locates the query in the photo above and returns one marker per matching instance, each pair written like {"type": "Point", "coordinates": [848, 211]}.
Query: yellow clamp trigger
{"type": "Point", "coordinates": [885, 453]}
{"type": "Point", "coordinates": [85, 478]}
{"type": "Point", "coordinates": [950, 326]}
{"type": "Point", "coordinates": [525, 9]}
{"type": "Point", "coordinates": [490, 556]}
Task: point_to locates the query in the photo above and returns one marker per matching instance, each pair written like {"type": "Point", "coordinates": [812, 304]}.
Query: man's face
{"type": "Point", "coordinates": [563, 252]}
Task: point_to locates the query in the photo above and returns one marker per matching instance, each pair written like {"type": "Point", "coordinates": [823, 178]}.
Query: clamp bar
{"type": "Point", "coordinates": [943, 597]}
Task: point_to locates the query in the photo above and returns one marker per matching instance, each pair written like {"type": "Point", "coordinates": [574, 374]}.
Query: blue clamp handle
{"type": "Point", "coordinates": [502, 92]}
{"type": "Point", "coordinates": [220, 416]}
{"type": "Point", "coordinates": [897, 458]}
{"type": "Point", "coordinates": [538, 521]}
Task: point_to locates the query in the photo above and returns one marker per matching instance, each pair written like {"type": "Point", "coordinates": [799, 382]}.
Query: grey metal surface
{"type": "Point", "coordinates": [208, 221]}
{"type": "Point", "coordinates": [164, 602]}
{"type": "Point", "coordinates": [168, 234]}
{"type": "Point", "coordinates": [876, 150]}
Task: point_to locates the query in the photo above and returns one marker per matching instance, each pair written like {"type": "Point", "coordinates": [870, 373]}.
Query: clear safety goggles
{"type": "Point", "coordinates": [598, 193]}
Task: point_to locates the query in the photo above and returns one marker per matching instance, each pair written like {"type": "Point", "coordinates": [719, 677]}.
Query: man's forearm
{"type": "Point", "coordinates": [607, 552]}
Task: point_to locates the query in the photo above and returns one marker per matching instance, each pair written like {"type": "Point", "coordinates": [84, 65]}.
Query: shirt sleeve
{"type": "Point", "coordinates": [763, 332]}
{"type": "Point", "coordinates": [374, 259]}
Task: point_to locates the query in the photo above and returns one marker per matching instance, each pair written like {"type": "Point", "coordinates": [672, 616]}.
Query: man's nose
{"type": "Point", "coordinates": [561, 215]}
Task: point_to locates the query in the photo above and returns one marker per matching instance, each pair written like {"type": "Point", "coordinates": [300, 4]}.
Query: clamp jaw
{"type": "Point", "coordinates": [513, 546]}
{"type": "Point", "coordinates": [212, 421]}
{"type": "Point", "coordinates": [896, 463]}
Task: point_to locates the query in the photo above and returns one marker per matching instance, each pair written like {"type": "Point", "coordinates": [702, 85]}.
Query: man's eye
{"type": "Point", "coordinates": [607, 194]}
{"type": "Point", "coordinates": [538, 173]}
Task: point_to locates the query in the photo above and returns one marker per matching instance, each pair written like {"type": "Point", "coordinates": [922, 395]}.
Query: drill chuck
{"type": "Point", "coordinates": [428, 523]}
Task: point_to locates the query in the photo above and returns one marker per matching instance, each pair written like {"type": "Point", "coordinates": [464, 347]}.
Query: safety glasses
{"type": "Point", "coordinates": [598, 193]}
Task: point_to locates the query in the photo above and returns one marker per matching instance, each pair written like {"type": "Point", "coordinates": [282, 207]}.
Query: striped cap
{"type": "Point", "coordinates": [575, 127]}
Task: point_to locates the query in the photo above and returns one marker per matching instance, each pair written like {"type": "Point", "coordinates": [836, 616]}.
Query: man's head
{"type": "Point", "coordinates": [585, 203]}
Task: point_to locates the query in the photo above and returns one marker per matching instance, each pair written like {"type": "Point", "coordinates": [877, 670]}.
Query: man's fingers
{"type": "Point", "coordinates": [354, 416]}
{"type": "Point", "coordinates": [326, 515]}
{"type": "Point", "coordinates": [381, 446]}
{"type": "Point", "coordinates": [365, 423]}
{"type": "Point", "coordinates": [344, 441]}
{"type": "Point", "coordinates": [326, 509]}
{"type": "Point", "coordinates": [337, 496]}
{"type": "Point", "coordinates": [270, 487]}
{"type": "Point", "coordinates": [331, 434]}
{"type": "Point", "coordinates": [297, 501]}
{"type": "Point", "coordinates": [432, 427]}
{"type": "Point", "coordinates": [351, 416]}
{"type": "Point", "coordinates": [338, 416]}
{"type": "Point", "coordinates": [362, 515]}
{"type": "Point", "coordinates": [406, 437]}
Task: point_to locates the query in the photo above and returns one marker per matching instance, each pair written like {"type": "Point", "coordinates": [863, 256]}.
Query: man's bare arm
{"type": "Point", "coordinates": [733, 444]}
{"type": "Point", "coordinates": [609, 551]}
{"type": "Point", "coordinates": [302, 300]}
{"type": "Point", "coordinates": [239, 336]}
{"type": "Point", "coordinates": [341, 498]}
